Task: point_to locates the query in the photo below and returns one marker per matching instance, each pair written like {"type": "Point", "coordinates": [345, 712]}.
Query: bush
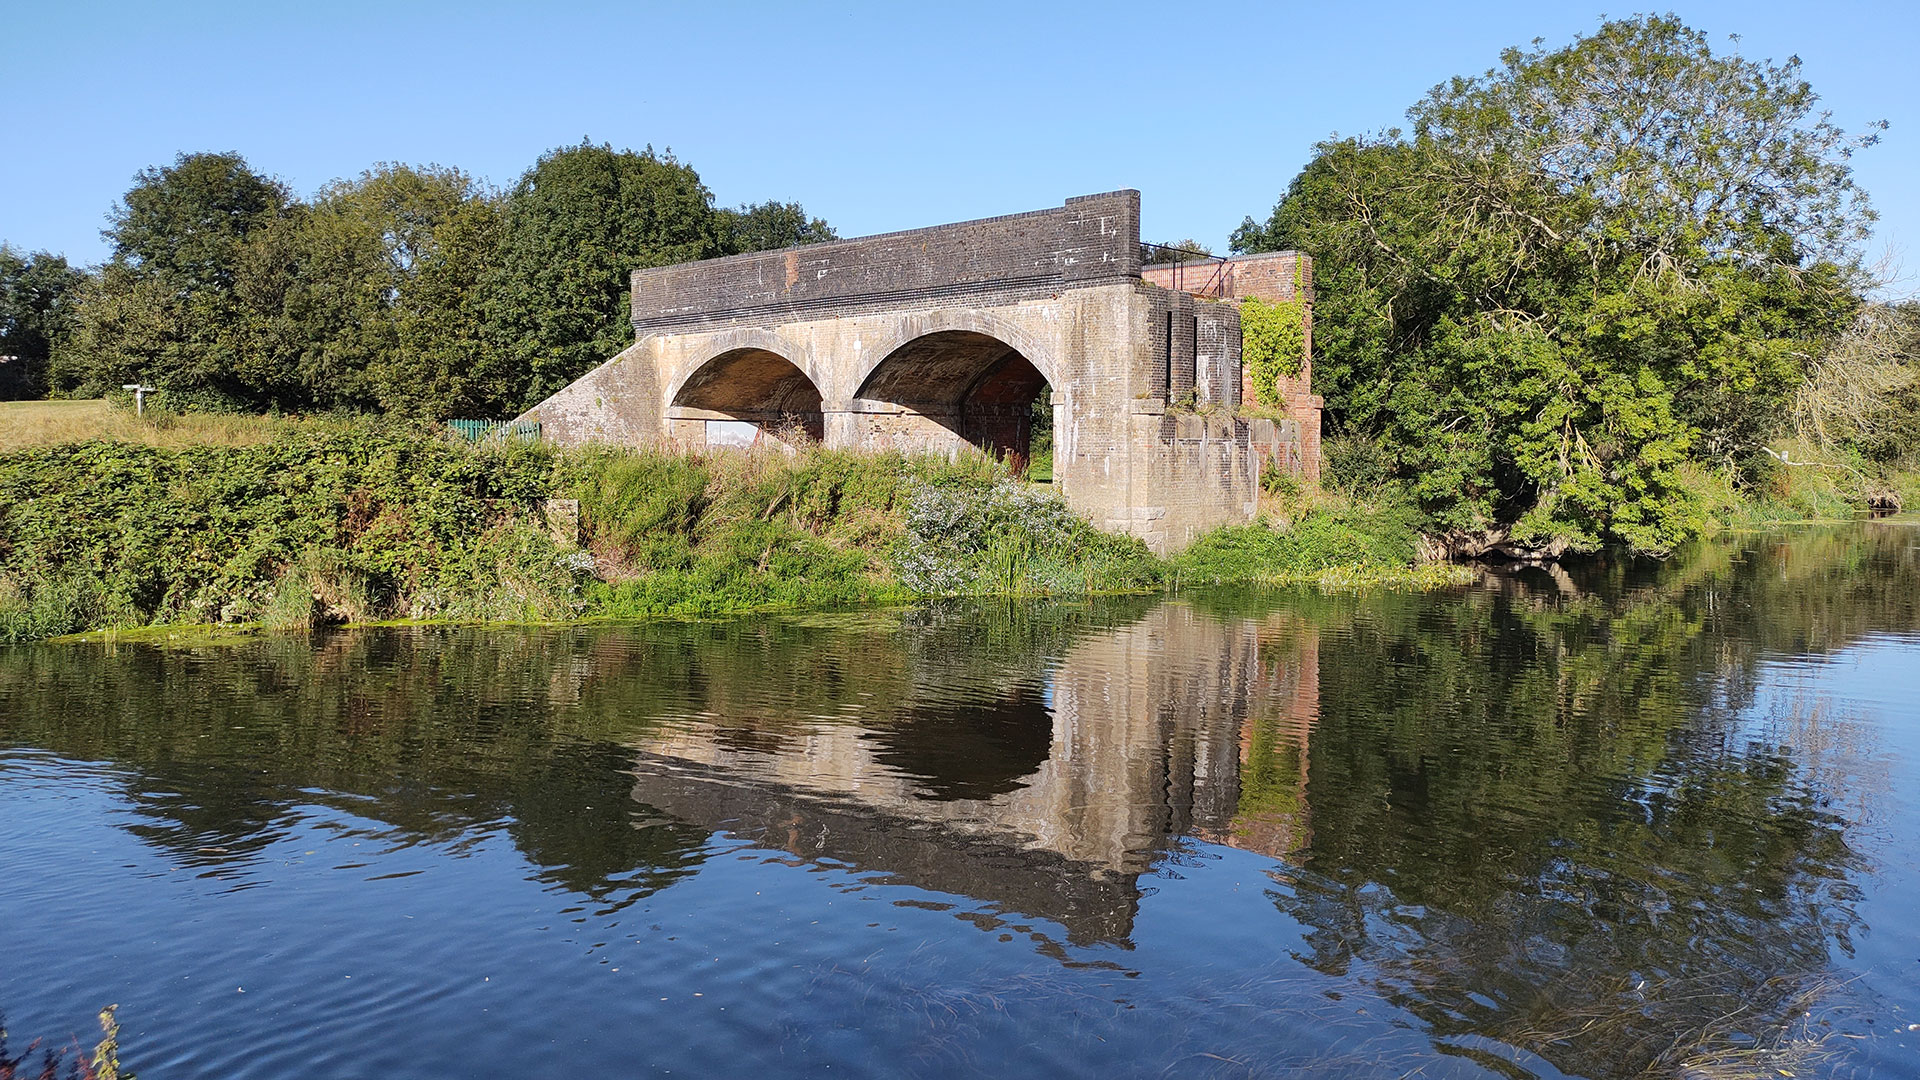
{"type": "Point", "coordinates": [1355, 466]}
{"type": "Point", "coordinates": [1011, 539]}
{"type": "Point", "coordinates": [339, 523]}
{"type": "Point", "coordinates": [1352, 538]}
{"type": "Point", "coordinates": [363, 523]}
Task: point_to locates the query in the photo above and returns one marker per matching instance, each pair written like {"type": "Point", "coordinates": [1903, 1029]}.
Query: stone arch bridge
{"type": "Point", "coordinates": [937, 339]}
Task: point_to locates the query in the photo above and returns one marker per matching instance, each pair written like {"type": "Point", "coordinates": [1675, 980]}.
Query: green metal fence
{"type": "Point", "coordinates": [479, 430]}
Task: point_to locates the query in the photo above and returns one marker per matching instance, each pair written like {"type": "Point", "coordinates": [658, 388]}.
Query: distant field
{"type": "Point", "coordinates": [46, 423]}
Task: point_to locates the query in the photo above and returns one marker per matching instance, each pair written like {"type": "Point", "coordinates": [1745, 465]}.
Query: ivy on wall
{"type": "Point", "coordinates": [1273, 342]}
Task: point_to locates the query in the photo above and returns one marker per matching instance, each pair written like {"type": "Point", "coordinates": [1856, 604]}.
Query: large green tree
{"type": "Point", "coordinates": [410, 290]}
{"type": "Point", "coordinates": [577, 225]}
{"type": "Point", "coordinates": [1573, 275]}
{"type": "Point", "coordinates": [164, 308]}
{"type": "Point", "coordinates": [371, 296]}
{"type": "Point", "coordinates": [36, 307]}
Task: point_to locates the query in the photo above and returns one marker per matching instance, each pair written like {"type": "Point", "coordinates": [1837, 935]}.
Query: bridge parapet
{"type": "Point", "coordinates": [1091, 240]}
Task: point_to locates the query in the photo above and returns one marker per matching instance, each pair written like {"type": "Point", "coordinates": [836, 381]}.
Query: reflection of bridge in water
{"type": "Point", "coordinates": [1049, 799]}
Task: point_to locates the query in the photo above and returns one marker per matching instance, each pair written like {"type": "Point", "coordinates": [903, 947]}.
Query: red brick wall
{"type": "Point", "coordinates": [1277, 276]}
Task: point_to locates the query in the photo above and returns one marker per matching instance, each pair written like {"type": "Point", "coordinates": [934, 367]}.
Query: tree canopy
{"type": "Point", "coordinates": [36, 306]}
{"type": "Point", "coordinates": [770, 226]}
{"type": "Point", "coordinates": [412, 290]}
{"type": "Point", "coordinates": [1574, 277]}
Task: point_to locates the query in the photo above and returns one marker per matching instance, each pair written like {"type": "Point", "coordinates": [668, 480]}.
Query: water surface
{"type": "Point", "coordinates": [1607, 822]}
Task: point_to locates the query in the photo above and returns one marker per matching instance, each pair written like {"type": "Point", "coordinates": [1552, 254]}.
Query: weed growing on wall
{"type": "Point", "coordinates": [1273, 343]}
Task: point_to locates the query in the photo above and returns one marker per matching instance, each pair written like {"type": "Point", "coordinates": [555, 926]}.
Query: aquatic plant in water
{"type": "Point", "coordinates": [38, 1062]}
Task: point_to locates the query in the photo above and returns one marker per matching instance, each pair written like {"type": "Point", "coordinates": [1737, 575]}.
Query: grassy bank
{"type": "Point", "coordinates": [1332, 541]}
{"type": "Point", "coordinates": [286, 524]}
{"type": "Point", "coordinates": [1802, 483]}
{"type": "Point", "coordinates": [230, 521]}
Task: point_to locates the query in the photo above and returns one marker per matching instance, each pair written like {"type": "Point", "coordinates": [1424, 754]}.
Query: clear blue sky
{"type": "Point", "coordinates": [875, 117]}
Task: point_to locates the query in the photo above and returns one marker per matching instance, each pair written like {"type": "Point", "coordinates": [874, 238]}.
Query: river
{"type": "Point", "coordinates": [1624, 819]}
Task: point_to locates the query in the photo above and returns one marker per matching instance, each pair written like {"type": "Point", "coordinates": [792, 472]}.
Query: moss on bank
{"type": "Point", "coordinates": [331, 523]}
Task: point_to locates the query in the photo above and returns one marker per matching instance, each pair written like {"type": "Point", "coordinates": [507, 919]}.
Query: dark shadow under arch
{"type": "Point", "coordinates": [757, 388]}
{"type": "Point", "coordinates": [974, 385]}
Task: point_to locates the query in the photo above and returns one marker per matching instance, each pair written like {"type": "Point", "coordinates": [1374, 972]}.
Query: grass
{"type": "Point", "coordinates": [1803, 484]}
{"type": "Point", "coordinates": [1333, 541]}
{"type": "Point", "coordinates": [43, 1062]}
{"type": "Point", "coordinates": [28, 424]}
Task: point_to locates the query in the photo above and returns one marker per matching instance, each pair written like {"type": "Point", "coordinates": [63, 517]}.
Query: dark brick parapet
{"type": "Point", "coordinates": [1091, 240]}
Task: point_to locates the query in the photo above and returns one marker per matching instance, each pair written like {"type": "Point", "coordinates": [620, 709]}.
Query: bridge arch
{"type": "Point", "coordinates": [748, 390]}
{"type": "Point", "coordinates": [951, 379]}
{"type": "Point", "coordinates": [923, 324]}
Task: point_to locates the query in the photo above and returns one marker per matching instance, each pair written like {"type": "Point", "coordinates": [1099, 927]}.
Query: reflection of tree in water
{"type": "Point", "coordinates": [1542, 818]}
{"type": "Point", "coordinates": [436, 732]}
{"type": "Point", "coordinates": [1539, 812]}
{"type": "Point", "coordinates": [428, 733]}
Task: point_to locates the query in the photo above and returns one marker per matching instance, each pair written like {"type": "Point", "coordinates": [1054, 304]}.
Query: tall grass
{"type": "Point", "coordinates": [40, 1062]}
{"type": "Point", "coordinates": [26, 424]}
{"type": "Point", "coordinates": [1800, 481]}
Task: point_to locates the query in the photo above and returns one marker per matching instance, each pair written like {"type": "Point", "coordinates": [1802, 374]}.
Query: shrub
{"type": "Point", "coordinates": [1011, 538]}
{"type": "Point", "coordinates": [1352, 538]}
{"type": "Point", "coordinates": [1355, 466]}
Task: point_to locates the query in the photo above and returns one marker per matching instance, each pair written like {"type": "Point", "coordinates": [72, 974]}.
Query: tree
{"type": "Point", "coordinates": [370, 297]}
{"type": "Point", "coordinates": [411, 289]}
{"type": "Point", "coordinates": [164, 308]}
{"type": "Point", "coordinates": [1575, 274]}
{"type": "Point", "coordinates": [1863, 393]}
{"type": "Point", "coordinates": [770, 226]}
{"type": "Point", "coordinates": [577, 225]}
{"type": "Point", "coordinates": [189, 219]}
{"type": "Point", "coordinates": [453, 367]}
{"type": "Point", "coordinates": [36, 305]}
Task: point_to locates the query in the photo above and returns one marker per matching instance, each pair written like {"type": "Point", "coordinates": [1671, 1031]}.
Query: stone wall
{"type": "Point", "coordinates": [1292, 442]}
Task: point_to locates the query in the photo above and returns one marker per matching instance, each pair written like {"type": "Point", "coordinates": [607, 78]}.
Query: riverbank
{"type": "Point", "coordinates": [323, 522]}
{"type": "Point", "coordinates": [1805, 483]}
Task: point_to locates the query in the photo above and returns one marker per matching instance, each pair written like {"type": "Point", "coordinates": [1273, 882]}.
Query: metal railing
{"type": "Point", "coordinates": [1208, 276]}
{"type": "Point", "coordinates": [481, 430]}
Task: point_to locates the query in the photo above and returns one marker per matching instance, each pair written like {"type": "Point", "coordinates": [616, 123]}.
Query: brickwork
{"type": "Point", "coordinates": [1274, 275]}
{"type": "Point", "coordinates": [1294, 445]}
{"type": "Point", "coordinates": [973, 263]}
{"type": "Point", "coordinates": [938, 339]}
